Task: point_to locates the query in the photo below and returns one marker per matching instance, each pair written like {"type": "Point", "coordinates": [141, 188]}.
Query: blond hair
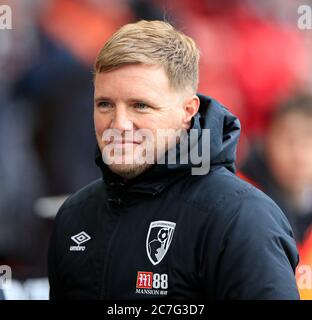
{"type": "Point", "coordinates": [153, 43]}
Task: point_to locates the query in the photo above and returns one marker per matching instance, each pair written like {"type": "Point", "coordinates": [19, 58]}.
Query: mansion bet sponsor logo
{"type": "Point", "coordinates": [150, 283]}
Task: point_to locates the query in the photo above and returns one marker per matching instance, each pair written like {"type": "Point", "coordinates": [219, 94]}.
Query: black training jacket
{"type": "Point", "coordinates": [171, 234]}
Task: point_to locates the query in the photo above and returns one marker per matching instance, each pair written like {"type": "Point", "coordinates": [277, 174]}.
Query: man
{"type": "Point", "coordinates": [158, 228]}
{"type": "Point", "coordinates": [280, 165]}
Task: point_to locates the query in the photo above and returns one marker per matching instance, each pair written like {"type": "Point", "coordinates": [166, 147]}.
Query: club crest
{"type": "Point", "coordinates": [158, 240]}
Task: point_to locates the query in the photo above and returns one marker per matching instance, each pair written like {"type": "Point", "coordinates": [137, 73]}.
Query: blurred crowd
{"type": "Point", "coordinates": [254, 59]}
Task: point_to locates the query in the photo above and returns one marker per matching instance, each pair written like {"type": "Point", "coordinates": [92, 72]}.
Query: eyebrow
{"type": "Point", "coordinates": [100, 98]}
{"type": "Point", "coordinates": [131, 100]}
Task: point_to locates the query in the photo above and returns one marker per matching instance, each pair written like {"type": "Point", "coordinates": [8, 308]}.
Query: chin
{"type": "Point", "coordinates": [129, 171]}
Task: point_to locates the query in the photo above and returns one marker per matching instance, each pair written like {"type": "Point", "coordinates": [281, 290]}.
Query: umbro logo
{"type": "Point", "coordinates": [79, 238]}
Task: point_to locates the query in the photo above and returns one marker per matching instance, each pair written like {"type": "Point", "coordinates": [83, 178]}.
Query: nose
{"type": "Point", "coordinates": [120, 120]}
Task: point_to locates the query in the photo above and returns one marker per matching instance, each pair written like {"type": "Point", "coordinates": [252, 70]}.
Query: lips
{"type": "Point", "coordinates": [124, 142]}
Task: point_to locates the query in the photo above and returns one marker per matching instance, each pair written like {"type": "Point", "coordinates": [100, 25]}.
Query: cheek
{"type": "Point", "coordinates": [176, 117]}
{"type": "Point", "coordinates": [171, 119]}
{"type": "Point", "coordinates": [101, 123]}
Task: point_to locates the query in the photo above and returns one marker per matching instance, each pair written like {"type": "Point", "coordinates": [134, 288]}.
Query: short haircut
{"type": "Point", "coordinates": [153, 43]}
{"type": "Point", "coordinates": [300, 103]}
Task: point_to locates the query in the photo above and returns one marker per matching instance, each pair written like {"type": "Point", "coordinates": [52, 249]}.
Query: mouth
{"type": "Point", "coordinates": [124, 142]}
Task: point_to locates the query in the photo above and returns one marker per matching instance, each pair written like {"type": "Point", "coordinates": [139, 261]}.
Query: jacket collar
{"type": "Point", "coordinates": [152, 181]}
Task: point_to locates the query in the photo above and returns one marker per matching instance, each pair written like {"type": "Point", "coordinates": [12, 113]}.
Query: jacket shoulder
{"type": "Point", "coordinates": [219, 187]}
{"type": "Point", "coordinates": [246, 232]}
{"type": "Point", "coordinates": [224, 196]}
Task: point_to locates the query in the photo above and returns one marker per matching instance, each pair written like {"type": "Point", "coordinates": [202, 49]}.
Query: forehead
{"type": "Point", "coordinates": [297, 125]}
{"type": "Point", "coordinates": [131, 79]}
{"type": "Point", "coordinates": [295, 119]}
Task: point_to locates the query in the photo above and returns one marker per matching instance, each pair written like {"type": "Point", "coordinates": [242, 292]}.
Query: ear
{"type": "Point", "coordinates": [190, 108]}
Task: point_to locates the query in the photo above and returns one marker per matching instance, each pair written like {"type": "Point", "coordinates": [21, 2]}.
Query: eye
{"type": "Point", "coordinates": [104, 105]}
{"type": "Point", "coordinates": [141, 106]}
